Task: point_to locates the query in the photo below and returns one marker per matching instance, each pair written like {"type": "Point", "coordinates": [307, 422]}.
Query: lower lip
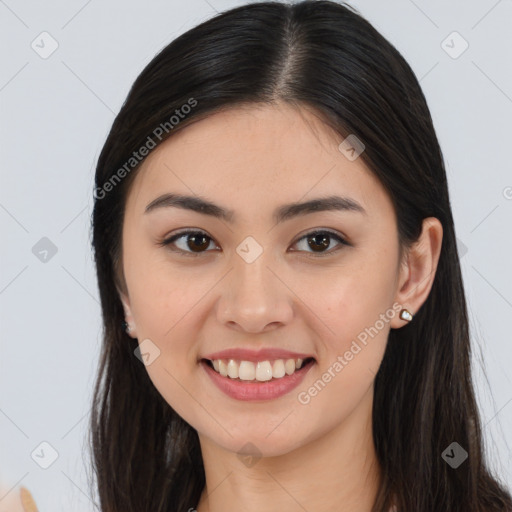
{"type": "Point", "coordinates": [256, 390]}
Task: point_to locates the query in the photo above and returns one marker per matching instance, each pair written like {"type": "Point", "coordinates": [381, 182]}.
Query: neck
{"type": "Point", "coordinates": [338, 471]}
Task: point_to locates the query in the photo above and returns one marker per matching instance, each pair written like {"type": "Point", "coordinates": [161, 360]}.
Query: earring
{"type": "Point", "coordinates": [126, 327]}
{"type": "Point", "coordinates": [405, 314]}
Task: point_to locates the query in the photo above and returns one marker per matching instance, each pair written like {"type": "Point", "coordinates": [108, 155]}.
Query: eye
{"type": "Point", "coordinates": [318, 241]}
{"type": "Point", "coordinates": [194, 245]}
{"type": "Point", "coordinates": [196, 242]}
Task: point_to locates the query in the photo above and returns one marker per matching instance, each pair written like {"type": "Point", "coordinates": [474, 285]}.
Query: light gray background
{"type": "Point", "coordinates": [55, 115]}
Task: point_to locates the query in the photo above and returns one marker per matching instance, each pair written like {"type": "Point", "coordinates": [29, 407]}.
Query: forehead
{"type": "Point", "coordinates": [256, 155]}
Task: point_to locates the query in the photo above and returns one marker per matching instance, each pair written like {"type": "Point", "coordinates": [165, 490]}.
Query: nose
{"type": "Point", "coordinates": [254, 297]}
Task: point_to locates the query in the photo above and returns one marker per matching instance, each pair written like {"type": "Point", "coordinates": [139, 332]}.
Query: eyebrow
{"type": "Point", "coordinates": [282, 213]}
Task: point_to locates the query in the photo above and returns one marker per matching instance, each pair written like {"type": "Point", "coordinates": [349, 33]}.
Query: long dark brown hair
{"type": "Point", "coordinates": [324, 56]}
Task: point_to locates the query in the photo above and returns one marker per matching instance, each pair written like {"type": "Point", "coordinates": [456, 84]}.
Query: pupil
{"type": "Point", "coordinates": [324, 243]}
{"type": "Point", "coordinates": [195, 239]}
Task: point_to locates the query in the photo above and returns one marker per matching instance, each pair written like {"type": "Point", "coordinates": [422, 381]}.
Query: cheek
{"type": "Point", "coordinates": [163, 313]}
{"type": "Point", "coordinates": [350, 358]}
{"type": "Point", "coordinates": [355, 297]}
{"type": "Point", "coordinates": [162, 304]}
{"type": "Point", "coordinates": [162, 293]}
{"type": "Point", "coordinates": [356, 306]}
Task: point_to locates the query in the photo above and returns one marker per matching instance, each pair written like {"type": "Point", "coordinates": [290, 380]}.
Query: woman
{"type": "Point", "coordinates": [285, 325]}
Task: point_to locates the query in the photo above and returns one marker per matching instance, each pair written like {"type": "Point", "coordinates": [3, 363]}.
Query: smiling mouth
{"type": "Point", "coordinates": [261, 371]}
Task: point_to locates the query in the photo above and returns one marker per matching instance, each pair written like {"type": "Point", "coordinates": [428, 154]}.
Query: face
{"type": "Point", "coordinates": [317, 285]}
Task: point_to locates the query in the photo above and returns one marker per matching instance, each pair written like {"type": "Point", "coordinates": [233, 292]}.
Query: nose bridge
{"type": "Point", "coordinates": [255, 296]}
{"type": "Point", "coordinates": [251, 273]}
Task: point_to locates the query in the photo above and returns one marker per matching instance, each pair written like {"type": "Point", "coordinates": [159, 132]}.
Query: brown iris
{"type": "Point", "coordinates": [198, 241]}
{"type": "Point", "coordinates": [321, 239]}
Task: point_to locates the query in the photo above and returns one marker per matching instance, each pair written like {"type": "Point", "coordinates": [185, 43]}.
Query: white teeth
{"type": "Point", "coordinates": [232, 369]}
{"type": "Point", "coordinates": [289, 366]}
{"type": "Point", "coordinates": [223, 368]}
{"type": "Point", "coordinates": [247, 370]}
{"type": "Point", "coordinates": [261, 371]}
{"type": "Point", "coordinates": [278, 369]}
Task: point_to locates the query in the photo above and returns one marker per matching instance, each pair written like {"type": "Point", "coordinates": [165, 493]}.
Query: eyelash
{"type": "Point", "coordinates": [168, 241]}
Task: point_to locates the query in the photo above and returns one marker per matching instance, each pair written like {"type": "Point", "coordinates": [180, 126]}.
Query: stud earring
{"type": "Point", "coordinates": [405, 314]}
{"type": "Point", "coordinates": [126, 327]}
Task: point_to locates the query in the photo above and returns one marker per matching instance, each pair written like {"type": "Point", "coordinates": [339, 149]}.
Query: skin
{"type": "Point", "coordinates": [314, 456]}
{"type": "Point", "coordinates": [16, 500]}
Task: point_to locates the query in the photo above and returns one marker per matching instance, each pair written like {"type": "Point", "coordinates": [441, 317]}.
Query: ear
{"type": "Point", "coordinates": [418, 269]}
{"type": "Point", "coordinates": [128, 317]}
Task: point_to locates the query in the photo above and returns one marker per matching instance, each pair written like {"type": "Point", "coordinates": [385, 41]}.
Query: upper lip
{"type": "Point", "coordinates": [264, 354]}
